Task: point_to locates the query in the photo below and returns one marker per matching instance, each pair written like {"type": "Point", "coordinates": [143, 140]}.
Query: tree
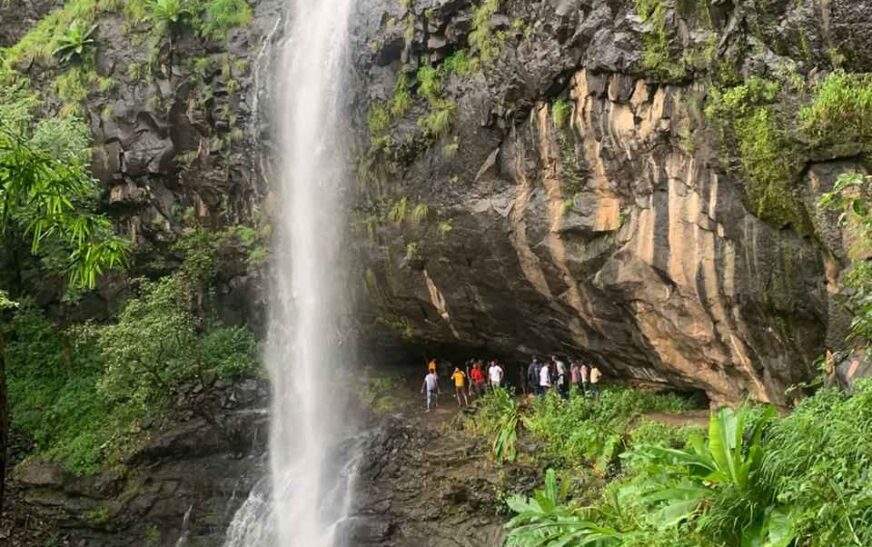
{"type": "Point", "coordinates": [47, 202]}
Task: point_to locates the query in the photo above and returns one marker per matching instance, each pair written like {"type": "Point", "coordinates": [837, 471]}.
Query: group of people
{"type": "Point", "coordinates": [553, 374]}
{"type": "Point", "coordinates": [475, 377]}
{"type": "Point", "coordinates": [471, 381]}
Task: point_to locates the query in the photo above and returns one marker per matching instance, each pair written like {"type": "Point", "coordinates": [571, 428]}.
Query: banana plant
{"type": "Point", "coordinates": [75, 43]}
{"type": "Point", "coordinates": [544, 521]}
{"type": "Point", "coordinates": [685, 478]}
{"type": "Point", "coordinates": [724, 458]}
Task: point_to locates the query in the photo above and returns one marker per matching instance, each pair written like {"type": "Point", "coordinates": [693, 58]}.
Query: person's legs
{"type": "Point", "coordinates": [458, 391]}
{"type": "Point", "coordinates": [429, 399]}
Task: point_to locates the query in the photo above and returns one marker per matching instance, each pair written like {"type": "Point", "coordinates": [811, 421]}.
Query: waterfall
{"type": "Point", "coordinates": [309, 489]}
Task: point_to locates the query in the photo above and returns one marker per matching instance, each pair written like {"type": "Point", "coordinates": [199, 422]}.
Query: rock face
{"type": "Point", "coordinates": [583, 203]}
{"type": "Point", "coordinates": [186, 482]}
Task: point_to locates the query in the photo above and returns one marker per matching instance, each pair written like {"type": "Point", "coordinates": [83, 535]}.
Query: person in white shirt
{"type": "Point", "coordinates": [495, 374]}
{"type": "Point", "coordinates": [431, 387]}
{"type": "Point", "coordinates": [544, 379]}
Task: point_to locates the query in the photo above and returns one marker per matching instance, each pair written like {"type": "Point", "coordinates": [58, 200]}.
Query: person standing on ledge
{"type": "Point", "coordinates": [595, 376]}
{"type": "Point", "coordinates": [533, 376]}
{"type": "Point", "coordinates": [459, 383]}
{"type": "Point", "coordinates": [585, 378]}
{"type": "Point", "coordinates": [575, 376]}
{"type": "Point", "coordinates": [544, 379]}
{"type": "Point", "coordinates": [495, 373]}
{"type": "Point", "coordinates": [476, 375]}
{"type": "Point", "coordinates": [431, 387]}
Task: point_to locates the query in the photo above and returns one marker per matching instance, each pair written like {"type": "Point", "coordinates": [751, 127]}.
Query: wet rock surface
{"type": "Point", "coordinates": [623, 233]}
{"type": "Point", "coordinates": [425, 483]}
{"type": "Point", "coordinates": [187, 480]}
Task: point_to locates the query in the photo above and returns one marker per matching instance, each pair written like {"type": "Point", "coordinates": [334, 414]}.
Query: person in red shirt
{"type": "Point", "coordinates": [477, 377]}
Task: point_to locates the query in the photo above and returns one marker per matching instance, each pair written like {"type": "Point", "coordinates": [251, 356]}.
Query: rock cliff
{"type": "Point", "coordinates": [584, 196]}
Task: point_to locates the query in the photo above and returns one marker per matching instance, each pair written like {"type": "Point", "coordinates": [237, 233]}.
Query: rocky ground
{"type": "Point", "coordinates": [187, 481]}
{"type": "Point", "coordinates": [425, 482]}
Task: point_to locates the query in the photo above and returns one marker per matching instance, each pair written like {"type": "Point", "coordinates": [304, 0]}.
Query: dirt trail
{"type": "Point", "coordinates": [699, 418]}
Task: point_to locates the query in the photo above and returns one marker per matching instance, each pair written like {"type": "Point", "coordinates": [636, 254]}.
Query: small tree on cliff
{"type": "Point", "coordinates": [45, 205]}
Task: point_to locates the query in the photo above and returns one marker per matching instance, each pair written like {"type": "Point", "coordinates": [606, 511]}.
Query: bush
{"type": "Point", "coordinates": [582, 429]}
{"type": "Point", "coordinates": [755, 480]}
{"type": "Point", "coordinates": [841, 110]}
{"type": "Point", "coordinates": [151, 350]}
{"type": "Point", "coordinates": [82, 394]}
{"type": "Point", "coordinates": [52, 390]}
{"type": "Point", "coordinates": [230, 351]}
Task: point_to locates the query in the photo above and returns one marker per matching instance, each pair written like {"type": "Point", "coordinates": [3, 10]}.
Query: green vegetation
{"type": "Point", "coordinates": [48, 211]}
{"type": "Point", "coordinates": [656, 55]}
{"type": "Point", "coordinates": [98, 517]}
{"type": "Point", "coordinates": [753, 479]}
{"type": "Point", "coordinates": [581, 429]}
{"type": "Point", "coordinates": [74, 44]}
{"type": "Point", "coordinates": [430, 86]}
{"type": "Point", "coordinates": [444, 228]}
{"type": "Point", "coordinates": [770, 159]}
{"type": "Point", "coordinates": [481, 37]}
{"type": "Point", "coordinates": [850, 197]}
{"type": "Point", "coordinates": [437, 123]}
{"type": "Point", "coordinates": [83, 393]}
{"type": "Point", "coordinates": [578, 430]}
{"type": "Point", "coordinates": [561, 110]}
{"type": "Point", "coordinates": [841, 110]}
{"type": "Point", "coordinates": [461, 63]}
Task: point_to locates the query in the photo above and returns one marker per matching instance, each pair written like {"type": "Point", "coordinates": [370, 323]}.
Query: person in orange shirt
{"type": "Point", "coordinates": [459, 381]}
{"type": "Point", "coordinates": [431, 366]}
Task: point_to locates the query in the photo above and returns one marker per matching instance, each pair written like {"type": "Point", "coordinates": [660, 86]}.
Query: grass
{"type": "Point", "coordinates": [438, 122]}
{"type": "Point", "coordinates": [657, 57]}
{"type": "Point", "coordinates": [487, 43]}
{"type": "Point", "coordinates": [461, 63]}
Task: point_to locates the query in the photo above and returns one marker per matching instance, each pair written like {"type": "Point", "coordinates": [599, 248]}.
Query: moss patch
{"type": "Point", "coordinates": [771, 160]}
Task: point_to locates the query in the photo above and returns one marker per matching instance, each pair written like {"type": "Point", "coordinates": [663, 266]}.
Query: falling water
{"type": "Point", "coordinates": [309, 490]}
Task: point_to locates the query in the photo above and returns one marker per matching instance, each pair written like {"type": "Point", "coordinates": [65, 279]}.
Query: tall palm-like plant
{"type": "Point", "coordinates": [75, 43]}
